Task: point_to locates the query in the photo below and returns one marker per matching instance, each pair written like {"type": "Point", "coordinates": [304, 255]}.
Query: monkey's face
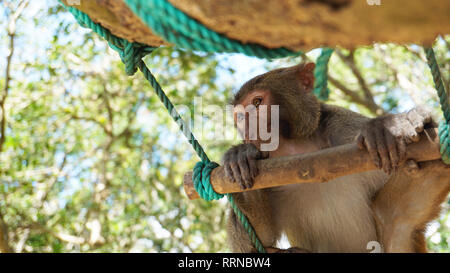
{"type": "Point", "coordinates": [286, 89]}
{"type": "Point", "coordinates": [253, 116]}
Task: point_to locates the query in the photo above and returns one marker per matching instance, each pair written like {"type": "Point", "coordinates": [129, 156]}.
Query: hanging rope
{"type": "Point", "coordinates": [444, 126]}
{"type": "Point", "coordinates": [131, 54]}
{"type": "Point", "coordinates": [178, 28]}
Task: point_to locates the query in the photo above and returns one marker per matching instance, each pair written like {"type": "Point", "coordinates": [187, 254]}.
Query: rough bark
{"type": "Point", "coordinates": [295, 24]}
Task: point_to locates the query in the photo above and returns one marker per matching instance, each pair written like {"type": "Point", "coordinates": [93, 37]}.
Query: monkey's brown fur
{"type": "Point", "coordinates": [407, 203]}
{"type": "Point", "coordinates": [345, 214]}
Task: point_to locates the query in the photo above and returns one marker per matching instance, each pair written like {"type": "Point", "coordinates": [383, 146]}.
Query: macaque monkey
{"type": "Point", "coordinates": [390, 206]}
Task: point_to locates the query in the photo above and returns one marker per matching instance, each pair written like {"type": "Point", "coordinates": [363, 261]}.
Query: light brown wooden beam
{"type": "Point", "coordinates": [320, 166]}
{"type": "Point", "coordinates": [297, 25]}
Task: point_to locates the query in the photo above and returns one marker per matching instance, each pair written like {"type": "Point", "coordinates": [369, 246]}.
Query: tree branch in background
{"type": "Point", "coordinates": [446, 79]}
{"type": "Point", "coordinates": [51, 182]}
{"type": "Point", "coordinates": [354, 97]}
{"type": "Point", "coordinates": [405, 83]}
{"type": "Point", "coordinates": [368, 94]}
{"type": "Point", "coordinates": [11, 34]}
{"type": "Point", "coordinates": [38, 228]}
{"type": "Point", "coordinates": [109, 110]}
{"type": "Point", "coordinates": [4, 241]}
{"type": "Point", "coordinates": [416, 53]}
{"type": "Point", "coordinates": [21, 243]}
{"type": "Point", "coordinates": [447, 43]}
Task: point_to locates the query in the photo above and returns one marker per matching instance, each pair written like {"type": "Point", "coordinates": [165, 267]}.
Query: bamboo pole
{"type": "Point", "coordinates": [321, 166]}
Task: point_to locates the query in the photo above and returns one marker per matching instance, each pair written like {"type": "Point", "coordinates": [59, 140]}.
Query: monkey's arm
{"type": "Point", "coordinates": [412, 196]}
{"type": "Point", "coordinates": [339, 126]}
{"type": "Point", "coordinates": [240, 167]}
{"type": "Point", "coordinates": [384, 137]}
{"type": "Point", "coordinates": [256, 206]}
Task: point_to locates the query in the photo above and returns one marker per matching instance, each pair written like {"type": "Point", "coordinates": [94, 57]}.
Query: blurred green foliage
{"type": "Point", "coordinates": [92, 162]}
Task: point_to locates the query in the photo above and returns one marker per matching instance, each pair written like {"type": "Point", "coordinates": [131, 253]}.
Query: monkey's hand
{"type": "Point", "coordinates": [385, 137]}
{"type": "Point", "coordinates": [240, 164]}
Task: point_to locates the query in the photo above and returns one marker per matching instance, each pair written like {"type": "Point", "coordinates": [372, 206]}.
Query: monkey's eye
{"type": "Point", "coordinates": [256, 102]}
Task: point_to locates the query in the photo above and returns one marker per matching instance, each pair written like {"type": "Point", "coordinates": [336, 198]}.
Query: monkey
{"type": "Point", "coordinates": [390, 206]}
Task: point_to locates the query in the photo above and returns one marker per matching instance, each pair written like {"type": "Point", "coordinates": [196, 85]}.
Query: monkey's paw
{"type": "Point", "coordinates": [385, 137]}
{"type": "Point", "coordinates": [240, 164]}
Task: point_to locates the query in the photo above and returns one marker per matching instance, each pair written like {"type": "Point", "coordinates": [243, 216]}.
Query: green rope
{"type": "Point", "coordinates": [131, 55]}
{"type": "Point", "coordinates": [246, 224]}
{"type": "Point", "coordinates": [201, 177]}
{"type": "Point", "coordinates": [178, 28]}
{"type": "Point", "coordinates": [321, 74]}
{"type": "Point", "coordinates": [444, 126]}
{"type": "Point", "coordinates": [173, 112]}
{"type": "Point", "coordinates": [202, 170]}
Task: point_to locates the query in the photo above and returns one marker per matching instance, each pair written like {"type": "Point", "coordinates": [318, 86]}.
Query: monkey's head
{"type": "Point", "coordinates": [291, 89]}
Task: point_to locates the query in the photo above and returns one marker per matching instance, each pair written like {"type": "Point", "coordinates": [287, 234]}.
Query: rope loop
{"type": "Point", "coordinates": [444, 127]}
{"type": "Point", "coordinates": [132, 54]}
{"type": "Point", "coordinates": [178, 28]}
{"type": "Point", "coordinates": [321, 74]}
{"type": "Point", "coordinates": [201, 177]}
{"type": "Point", "coordinates": [444, 140]}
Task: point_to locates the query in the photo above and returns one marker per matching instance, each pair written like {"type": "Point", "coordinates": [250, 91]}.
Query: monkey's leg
{"type": "Point", "coordinates": [256, 206]}
{"type": "Point", "coordinates": [409, 200]}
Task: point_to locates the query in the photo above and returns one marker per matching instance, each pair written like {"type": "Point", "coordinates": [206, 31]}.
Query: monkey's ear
{"type": "Point", "coordinates": [307, 76]}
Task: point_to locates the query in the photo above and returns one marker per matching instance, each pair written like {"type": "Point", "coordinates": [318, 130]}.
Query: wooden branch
{"type": "Point", "coordinates": [344, 23]}
{"type": "Point", "coordinates": [321, 166]}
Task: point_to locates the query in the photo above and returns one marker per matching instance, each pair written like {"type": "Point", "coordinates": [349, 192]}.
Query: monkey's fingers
{"type": "Point", "coordinates": [244, 169]}
{"type": "Point", "coordinates": [411, 167]}
{"type": "Point", "coordinates": [253, 168]}
{"type": "Point", "coordinates": [360, 142]}
{"type": "Point", "coordinates": [419, 117]}
{"type": "Point", "coordinates": [401, 146]}
{"type": "Point", "coordinates": [383, 151]}
{"type": "Point", "coordinates": [263, 155]}
{"type": "Point", "coordinates": [392, 149]}
{"type": "Point", "coordinates": [417, 122]}
{"type": "Point", "coordinates": [414, 126]}
{"type": "Point", "coordinates": [237, 175]}
{"type": "Point", "coordinates": [228, 172]}
{"type": "Point", "coordinates": [371, 146]}
{"type": "Point", "coordinates": [226, 165]}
